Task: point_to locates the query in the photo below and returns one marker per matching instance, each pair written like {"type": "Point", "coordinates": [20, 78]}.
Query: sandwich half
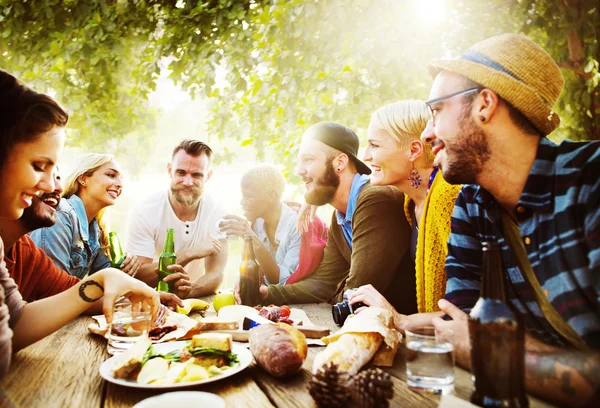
{"type": "Point", "coordinates": [210, 349]}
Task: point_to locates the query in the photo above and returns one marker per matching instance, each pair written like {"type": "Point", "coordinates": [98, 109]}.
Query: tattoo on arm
{"type": "Point", "coordinates": [570, 373]}
{"type": "Point", "coordinates": [84, 286]}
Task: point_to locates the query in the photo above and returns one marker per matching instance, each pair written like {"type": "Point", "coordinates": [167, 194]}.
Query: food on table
{"type": "Point", "coordinates": [222, 299]}
{"type": "Point", "coordinates": [191, 305]}
{"type": "Point", "coordinates": [209, 349]}
{"type": "Point", "coordinates": [279, 348]}
{"type": "Point", "coordinates": [277, 314]}
{"type": "Point", "coordinates": [154, 370]}
{"type": "Point", "coordinates": [205, 356]}
{"type": "Point", "coordinates": [158, 332]}
{"type": "Point", "coordinates": [236, 312]}
{"type": "Point", "coordinates": [358, 341]}
{"type": "Point", "coordinates": [129, 363]}
{"type": "Point", "coordinates": [216, 323]}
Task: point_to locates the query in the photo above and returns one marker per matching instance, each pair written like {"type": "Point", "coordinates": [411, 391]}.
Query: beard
{"type": "Point", "coordinates": [34, 217]}
{"type": "Point", "coordinates": [324, 187]}
{"type": "Point", "coordinates": [191, 198]}
{"type": "Point", "coordinates": [470, 152]}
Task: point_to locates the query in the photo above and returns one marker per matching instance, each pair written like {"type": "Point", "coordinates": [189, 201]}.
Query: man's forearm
{"type": "Point", "coordinates": [567, 377]}
{"type": "Point", "coordinates": [206, 285]}
{"type": "Point", "coordinates": [313, 289]}
{"type": "Point", "coordinates": [148, 273]}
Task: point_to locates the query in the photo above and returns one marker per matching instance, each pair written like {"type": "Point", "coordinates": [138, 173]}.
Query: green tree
{"type": "Point", "coordinates": [271, 68]}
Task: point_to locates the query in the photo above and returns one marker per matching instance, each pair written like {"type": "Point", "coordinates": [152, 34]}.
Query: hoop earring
{"type": "Point", "coordinates": [415, 178]}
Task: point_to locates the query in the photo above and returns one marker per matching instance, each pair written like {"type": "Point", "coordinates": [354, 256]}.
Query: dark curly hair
{"type": "Point", "coordinates": [24, 114]}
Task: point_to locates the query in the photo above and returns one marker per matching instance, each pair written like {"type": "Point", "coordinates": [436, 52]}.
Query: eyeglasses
{"type": "Point", "coordinates": [443, 98]}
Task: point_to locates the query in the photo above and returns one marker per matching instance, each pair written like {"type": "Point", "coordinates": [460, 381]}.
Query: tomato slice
{"type": "Point", "coordinates": [285, 311]}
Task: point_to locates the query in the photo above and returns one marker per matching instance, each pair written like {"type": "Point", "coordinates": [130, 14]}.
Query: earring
{"type": "Point", "coordinates": [415, 178]}
{"type": "Point", "coordinates": [339, 169]}
{"type": "Point", "coordinates": [482, 118]}
{"type": "Point", "coordinates": [83, 183]}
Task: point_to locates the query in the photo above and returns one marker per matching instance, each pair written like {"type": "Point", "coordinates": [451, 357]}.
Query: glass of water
{"type": "Point", "coordinates": [130, 323]}
{"type": "Point", "coordinates": [429, 361]}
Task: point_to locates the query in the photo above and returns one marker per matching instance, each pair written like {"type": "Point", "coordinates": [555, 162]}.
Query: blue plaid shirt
{"type": "Point", "coordinates": [559, 218]}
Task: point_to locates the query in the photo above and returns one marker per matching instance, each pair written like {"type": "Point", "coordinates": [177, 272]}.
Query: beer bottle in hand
{"type": "Point", "coordinates": [116, 251]}
{"type": "Point", "coordinates": [497, 340]}
{"type": "Point", "coordinates": [249, 275]}
{"type": "Point", "coordinates": [166, 259]}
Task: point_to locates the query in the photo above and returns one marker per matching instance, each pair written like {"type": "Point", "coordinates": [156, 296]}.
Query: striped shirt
{"type": "Point", "coordinates": [559, 217]}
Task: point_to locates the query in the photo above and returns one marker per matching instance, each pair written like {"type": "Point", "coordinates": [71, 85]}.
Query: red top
{"type": "Point", "coordinates": [311, 248]}
{"type": "Point", "coordinates": [34, 273]}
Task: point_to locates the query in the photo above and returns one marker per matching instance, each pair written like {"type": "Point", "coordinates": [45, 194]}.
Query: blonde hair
{"type": "Point", "coordinates": [268, 177]}
{"type": "Point", "coordinates": [87, 165]}
{"type": "Point", "coordinates": [404, 121]}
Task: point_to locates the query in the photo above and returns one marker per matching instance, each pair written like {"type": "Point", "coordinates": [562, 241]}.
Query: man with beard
{"type": "Point", "coordinates": [491, 111]}
{"type": "Point", "coordinates": [192, 214]}
{"type": "Point", "coordinates": [32, 270]}
{"type": "Point", "coordinates": [368, 239]}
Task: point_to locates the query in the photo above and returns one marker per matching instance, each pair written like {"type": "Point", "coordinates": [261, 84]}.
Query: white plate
{"type": "Point", "coordinates": [244, 357]}
{"type": "Point", "coordinates": [183, 399]}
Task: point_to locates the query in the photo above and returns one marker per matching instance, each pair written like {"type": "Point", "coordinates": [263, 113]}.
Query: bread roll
{"type": "Point", "coordinates": [355, 344]}
{"type": "Point", "coordinates": [279, 348]}
{"type": "Point", "coordinates": [350, 351]}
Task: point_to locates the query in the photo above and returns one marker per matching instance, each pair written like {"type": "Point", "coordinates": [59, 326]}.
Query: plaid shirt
{"type": "Point", "coordinates": [559, 218]}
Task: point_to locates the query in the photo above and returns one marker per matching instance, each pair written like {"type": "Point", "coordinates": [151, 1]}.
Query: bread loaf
{"type": "Point", "coordinates": [279, 348]}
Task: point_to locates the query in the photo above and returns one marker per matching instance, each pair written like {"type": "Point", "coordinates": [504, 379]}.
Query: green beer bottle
{"type": "Point", "coordinates": [116, 251]}
{"type": "Point", "coordinates": [166, 258]}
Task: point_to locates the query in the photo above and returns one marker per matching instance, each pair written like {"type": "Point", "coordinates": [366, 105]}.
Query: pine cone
{"type": "Point", "coordinates": [328, 386]}
{"type": "Point", "coordinates": [372, 388]}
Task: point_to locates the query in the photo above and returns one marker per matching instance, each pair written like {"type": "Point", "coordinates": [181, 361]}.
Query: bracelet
{"type": "Point", "coordinates": [84, 285]}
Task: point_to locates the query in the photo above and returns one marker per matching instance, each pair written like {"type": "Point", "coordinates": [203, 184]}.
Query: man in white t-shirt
{"type": "Point", "coordinates": [192, 214]}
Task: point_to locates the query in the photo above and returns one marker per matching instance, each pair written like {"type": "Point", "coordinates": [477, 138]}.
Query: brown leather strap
{"type": "Point", "coordinates": [514, 239]}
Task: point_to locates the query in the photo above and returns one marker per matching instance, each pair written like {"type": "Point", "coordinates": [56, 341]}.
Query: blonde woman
{"type": "Point", "coordinates": [399, 158]}
{"type": "Point", "coordinates": [78, 242]}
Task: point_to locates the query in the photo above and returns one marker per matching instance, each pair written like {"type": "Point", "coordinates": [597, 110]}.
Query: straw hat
{"type": "Point", "coordinates": [518, 70]}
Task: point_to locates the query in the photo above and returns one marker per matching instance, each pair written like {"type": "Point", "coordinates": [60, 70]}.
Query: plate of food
{"type": "Point", "coordinates": [205, 358]}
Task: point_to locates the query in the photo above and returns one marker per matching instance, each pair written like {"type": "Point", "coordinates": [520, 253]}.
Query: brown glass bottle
{"type": "Point", "coordinates": [497, 340]}
{"type": "Point", "coordinates": [249, 275]}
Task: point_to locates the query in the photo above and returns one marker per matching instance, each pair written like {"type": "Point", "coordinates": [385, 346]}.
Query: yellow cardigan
{"type": "Point", "coordinates": [432, 243]}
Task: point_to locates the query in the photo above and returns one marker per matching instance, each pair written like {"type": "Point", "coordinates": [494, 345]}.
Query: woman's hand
{"type": "Point", "coordinates": [116, 284]}
{"type": "Point", "coordinates": [131, 265]}
{"type": "Point", "coordinates": [208, 247]}
{"type": "Point", "coordinates": [237, 226]}
{"type": "Point", "coordinates": [170, 300]}
{"type": "Point", "coordinates": [306, 215]}
{"type": "Point", "coordinates": [368, 295]}
{"type": "Point", "coordinates": [263, 289]}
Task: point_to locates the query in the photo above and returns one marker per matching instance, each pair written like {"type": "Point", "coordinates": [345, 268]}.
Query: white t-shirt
{"type": "Point", "coordinates": [150, 220]}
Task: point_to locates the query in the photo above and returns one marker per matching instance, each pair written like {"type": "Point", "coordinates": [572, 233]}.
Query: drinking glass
{"type": "Point", "coordinates": [429, 361]}
{"type": "Point", "coordinates": [129, 324]}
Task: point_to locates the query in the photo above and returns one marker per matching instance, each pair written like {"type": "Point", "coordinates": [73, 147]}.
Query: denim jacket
{"type": "Point", "coordinates": [73, 243]}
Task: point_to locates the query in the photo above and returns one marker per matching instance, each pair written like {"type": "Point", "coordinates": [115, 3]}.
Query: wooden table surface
{"type": "Point", "coordinates": [62, 371]}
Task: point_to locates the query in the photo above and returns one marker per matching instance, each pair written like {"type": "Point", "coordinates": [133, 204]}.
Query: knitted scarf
{"type": "Point", "coordinates": [432, 243]}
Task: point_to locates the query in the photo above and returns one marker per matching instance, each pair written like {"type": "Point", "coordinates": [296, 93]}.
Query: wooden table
{"type": "Point", "coordinates": [62, 371]}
